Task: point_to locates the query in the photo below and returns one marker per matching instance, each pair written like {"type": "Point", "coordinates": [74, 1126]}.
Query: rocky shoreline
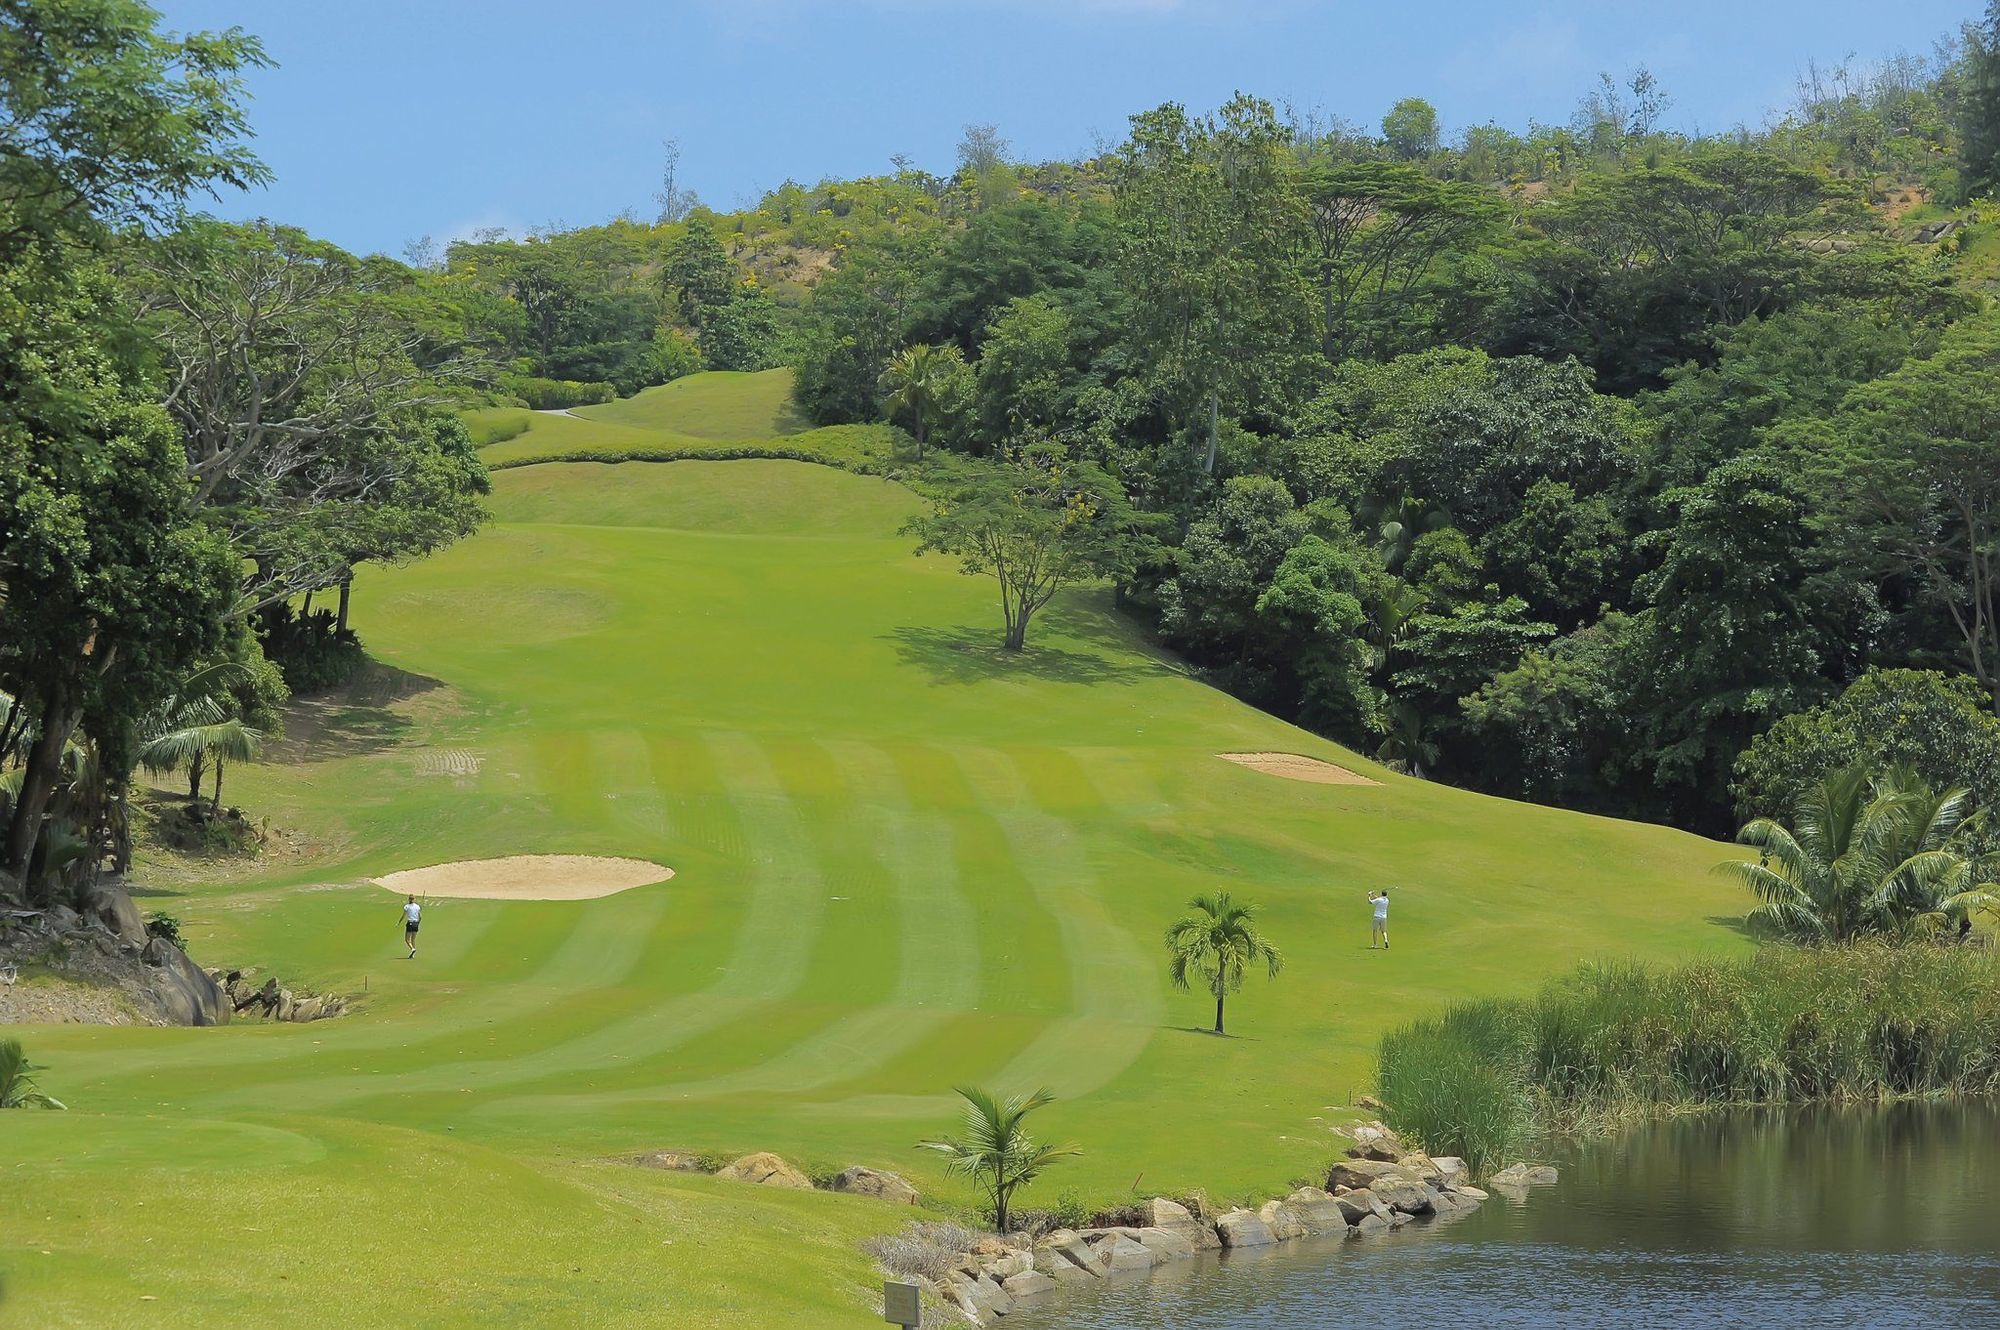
{"type": "Point", "coordinates": [1380, 1185]}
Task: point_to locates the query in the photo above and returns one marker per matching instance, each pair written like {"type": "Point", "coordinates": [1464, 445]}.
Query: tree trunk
{"type": "Point", "coordinates": [38, 782]}
{"type": "Point", "coordinates": [1218, 1013]}
{"type": "Point", "coordinates": [306, 609]}
{"type": "Point", "coordinates": [1000, 1211]}
{"type": "Point", "coordinates": [1214, 411]}
{"type": "Point", "coordinates": [215, 804]}
{"type": "Point", "coordinates": [340, 623]}
{"type": "Point", "coordinates": [1017, 635]}
{"type": "Point", "coordinates": [194, 779]}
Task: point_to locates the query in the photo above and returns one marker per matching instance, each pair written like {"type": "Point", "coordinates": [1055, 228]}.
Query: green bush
{"type": "Point", "coordinates": [557, 394]}
{"type": "Point", "coordinates": [166, 928]}
{"type": "Point", "coordinates": [1790, 1025]}
{"type": "Point", "coordinates": [496, 425]}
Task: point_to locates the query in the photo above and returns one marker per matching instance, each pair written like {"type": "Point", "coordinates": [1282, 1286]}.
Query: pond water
{"type": "Point", "coordinates": [1885, 1217]}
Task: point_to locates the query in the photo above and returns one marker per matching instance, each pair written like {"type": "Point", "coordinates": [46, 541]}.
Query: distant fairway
{"type": "Point", "coordinates": [720, 405]}
{"type": "Point", "coordinates": [728, 415]}
{"type": "Point", "coordinates": [904, 861]}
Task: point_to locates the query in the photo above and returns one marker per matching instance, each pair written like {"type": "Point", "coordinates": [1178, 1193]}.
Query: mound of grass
{"type": "Point", "coordinates": [719, 404]}
{"type": "Point", "coordinates": [869, 449]}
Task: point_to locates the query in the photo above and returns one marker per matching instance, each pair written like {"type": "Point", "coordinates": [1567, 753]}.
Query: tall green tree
{"type": "Point", "coordinates": [1034, 525]}
{"type": "Point", "coordinates": [1917, 459]}
{"type": "Point", "coordinates": [114, 589]}
{"type": "Point", "coordinates": [1209, 212]}
{"type": "Point", "coordinates": [1979, 122]}
{"type": "Point", "coordinates": [107, 120]}
{"type": "Point", "coordinates": [1410, 129]}
{"type": "Point", "coordinates": [1214, 944]}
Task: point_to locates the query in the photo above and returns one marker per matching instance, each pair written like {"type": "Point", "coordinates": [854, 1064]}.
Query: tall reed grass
{"type": "Point", "coordinates": [1786, 1026]}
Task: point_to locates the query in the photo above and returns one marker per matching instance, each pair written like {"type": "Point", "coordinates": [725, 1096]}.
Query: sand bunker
{"type": "Point", "coordinates": [1294, 767]}
{"type": "Point", "coordinates": [528, 877]}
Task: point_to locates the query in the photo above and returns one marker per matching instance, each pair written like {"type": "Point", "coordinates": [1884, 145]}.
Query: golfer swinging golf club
{"type": "Point", "coordinates": [412, 912]}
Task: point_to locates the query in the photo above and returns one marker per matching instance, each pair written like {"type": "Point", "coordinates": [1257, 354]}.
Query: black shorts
{"type": "Point", "coordinates": [409, 929]}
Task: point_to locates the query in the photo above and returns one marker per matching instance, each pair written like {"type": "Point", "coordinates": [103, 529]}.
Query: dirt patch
{"type": "Point", "coordinates": [528, 877]}
{"type": "Point", "coordinates": [1293, 766]}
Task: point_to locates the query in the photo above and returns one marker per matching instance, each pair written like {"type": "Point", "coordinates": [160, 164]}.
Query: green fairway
{"type": "Point", "coordinates": [904, 861]}
{"type": "Point", "coordinates": [723, 404]}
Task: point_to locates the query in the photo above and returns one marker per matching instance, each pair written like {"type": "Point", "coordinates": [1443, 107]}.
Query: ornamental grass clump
{"type": "Point", "coordinates": [1788, 1026]}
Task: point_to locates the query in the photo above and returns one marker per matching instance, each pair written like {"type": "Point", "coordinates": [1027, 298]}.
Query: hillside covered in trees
{"type": "Point", "coordinates": [1561, 463]}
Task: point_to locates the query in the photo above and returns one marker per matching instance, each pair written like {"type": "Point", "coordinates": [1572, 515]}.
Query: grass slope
{"type": "Point", "coordinates": [905, 861]}
{"type": "Point", "coordinates": [721, 404]}
{"type": "Point", "coordinates": [713, 416]}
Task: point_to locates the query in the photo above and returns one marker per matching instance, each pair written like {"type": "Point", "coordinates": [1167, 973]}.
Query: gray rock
{"type": "Point", "coordinates": [308, 1009]}
{"type": "Point", "coordinates": [178, 987]}
{"type": "Point", "coordinates": [1177, 1218]}
{"type": "Point", "coordinates": [1451, 1169]}
{"type": "Point", "coordinates": [1369, 1224]}
{"type": "Point", "coordinates": [1027, 1284]}
{"type": "Point", "coordinates": [1524, 1175]}
{"type": "Point", "coordinates": [1119, 1252]}
{"type": "Point", "coordinates": [1360, 1173]}
{"type": "Point", "coordinates": [1167, 1244]}
{"type": "Point", "coordinates": [63, 919]}
{"type": "Point", "coordinates": [1410, 1198]}
{"type": "Point", "coordinates": [113, 905]}
{"type": "Point", "coordinates": [1467, 1192]}
{"type": "Point", "coordinates": [1241, 1228]}
{"type": "Point", "coordinates": [877, 1183]}
{"type": "Point", "coordinates": [1318, 1211]}
{"type": "Point", "coordinates": [1354, 1206]}
{"type": "Point", "coordinates": [1420, 1166]}
{"type": "Point", "coordinates": [1374, 1141]}
{"type": "Point", "coordinates": [1283, 1221]}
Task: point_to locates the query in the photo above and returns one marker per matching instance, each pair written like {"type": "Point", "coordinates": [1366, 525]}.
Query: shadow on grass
{"type": "Point", "coordinates": [964, 655]}
{"type": "Point", "coordinates": [1738, 925]}
{"type": "Point", "coordinates": [1118, 652]}
{"type": "Point", "coordinates": [365, 715]}
{"type": "Point", "coordinates": [1208, 1032]}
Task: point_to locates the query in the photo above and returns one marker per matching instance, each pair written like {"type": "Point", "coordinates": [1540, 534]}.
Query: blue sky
{"type": "Point", "coordinates": [390, 119]}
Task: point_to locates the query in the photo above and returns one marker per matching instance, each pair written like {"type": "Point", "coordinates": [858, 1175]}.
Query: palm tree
{"type": "Point", "coordinates": [1399, 523]}
{"type": "Point", "coordinates": [1864, 855]}
{"type": "Point", "coordinates": [1406, 743]}
{"type": "Point", "coordinates": [914, 381]}
{"type": "Point", "coordinates": [1217, 942]}
{"type": "Point", "coordinates": [192, 728]}
{"type": "Point", "coordinates": [17, 1079]}
{"type": "Point", "coordinates": [996, 1149]}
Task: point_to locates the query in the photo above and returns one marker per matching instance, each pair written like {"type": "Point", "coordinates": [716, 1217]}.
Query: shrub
{"type": "Point", "coordinates": [556, 394]}
{"type": "Point", "coordinates": [167, 929]}
{"type": "Point", "coordinates": [1790, 1025]}
{"type": "Point", "coordinates": [928, 1249]}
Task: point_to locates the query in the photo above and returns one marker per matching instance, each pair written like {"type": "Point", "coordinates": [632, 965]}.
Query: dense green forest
{"type": "Point", "coordinates": [1562, 463]}
{"type": "Point", "coordinates": [1595, 464]}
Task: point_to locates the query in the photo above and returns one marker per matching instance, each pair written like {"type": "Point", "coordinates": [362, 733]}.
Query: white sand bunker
{"type": "Point", "coordinates": [1292, 766]}
{"type": "Point", "coordinates": [528, 877]}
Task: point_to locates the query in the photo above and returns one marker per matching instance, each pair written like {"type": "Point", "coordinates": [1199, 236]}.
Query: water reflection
{"type": "Point", "coordinates": [1884, 1217]}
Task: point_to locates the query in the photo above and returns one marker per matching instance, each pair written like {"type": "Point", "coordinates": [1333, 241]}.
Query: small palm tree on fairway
{"type": "Point", "coordinates": [996, 1149]}
{"type": "Point", "coordinates": [1216, 943]}
{"type": "Point", "coordinates": [17, 1079]}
